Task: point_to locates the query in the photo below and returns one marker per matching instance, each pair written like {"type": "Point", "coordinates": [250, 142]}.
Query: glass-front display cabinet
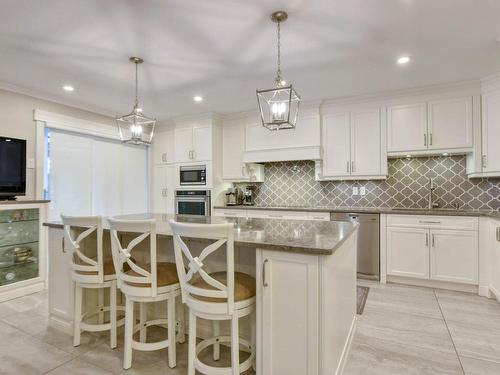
{"type": "Point", "coordinates": [21, 244]}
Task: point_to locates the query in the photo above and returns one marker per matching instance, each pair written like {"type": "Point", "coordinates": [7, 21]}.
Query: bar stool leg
{"type": "Point", "coordinates": [191, 343]}
{"type": "Point", "coordinates": [216, 334]}
{"type": "Point", "coordinates": [235, 346]}
{"type": "Point", "coordinates": [181, 323]}
{"type": "Point", "coordinates": [253, 337]}
{"type": "Point", "coordinates": [112, 313]}
{"type": "Point", "coordinates": [172, 336]}
{"type": "Point", "coordinates": [142, 321]}
{"type": "Point", "coordinates": [129, 331]}
{"type": "Point", "coordinates": [77, 315]}
{"type": "Point", "coordinates": [100, 303]}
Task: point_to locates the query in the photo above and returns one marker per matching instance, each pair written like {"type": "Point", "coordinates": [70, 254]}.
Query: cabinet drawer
{"type": "Point", "coordinates": [430, 221]}
{"type": "Point", "coordinates": [228, 212]}
{"type": "Point", "coordinates": [320, 216]}
{"type": "Point", "coordinates": [278, 214]}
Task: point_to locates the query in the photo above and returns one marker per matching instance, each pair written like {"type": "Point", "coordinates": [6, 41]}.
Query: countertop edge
{"type": "Point", "coordinates": [369, 210]}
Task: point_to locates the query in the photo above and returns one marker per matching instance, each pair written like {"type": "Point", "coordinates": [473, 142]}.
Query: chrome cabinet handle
{"type": "Point", "coordinates": [164, 192]}
{"type": "Point", "coordinates": [425, 139]}
{"type": "Point", "coordinates": [429, 222]}
{"type": "Point", "coordinates": [498, 234]}
{"type": "Point", "coordinates": [347, 169]}
{"type": "Point", "coordinates": [164, 157]}
{"type": "Point", "coordinates": [483, 161]}
{"type": "Point", "coordinates": [264, 281]}
{"type": "Point", "coordinates": [194, 154]}
{"type": "Point", "coordinates": [352, 166]}
{"type": "Point", "coordinates": [430, 139]}
{"type": "Point", "coordinates": [427, 239]}
{"type": "Point", "coordinates": [318, 217]}
{"type": "Point", "coordinates": [62, 245]}
{"type": "Point", "coordinates": [432, 239]}
{"type": "Point", "coordinates": [275, 215]}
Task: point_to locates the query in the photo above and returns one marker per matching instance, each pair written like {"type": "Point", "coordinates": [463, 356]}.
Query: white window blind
{"type": "Point", "coordinates": [95, 176]}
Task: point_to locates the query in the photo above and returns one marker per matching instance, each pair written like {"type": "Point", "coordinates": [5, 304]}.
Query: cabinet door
{"type": "Point", "coordinates": [365, 143]}
{"type": "Point", "coordinates": [170, 193]}
{"type": "Point", "coordinates": [159, 189]}
{"type": "Point", "coordinates": [491, 131]}
{"type": "Point", "coordinates": [183, 144]}
{"type": "Point", "coordinates": [60, 280]}
{"type": "Point", "coordinates": [336, 144]}
{"type": "Point", "coordinates": [163, 147]}
{"type": "Point", "coordinates": [233, 145]}
{"type": "Point", "coordinates": [408, 252]}
{"type": "Point", "coordinates": [454, 256]}
{"type": "Point", "coordinates": [450, 123]}
{"type": "Point", "coordinates": [407, 128]}
{"type": "Point", "coordinates": [202, 143]}
{"type": "Point", "coordinates": [289, 326]}
{"type": "Point", "coordinates": [495, 260]}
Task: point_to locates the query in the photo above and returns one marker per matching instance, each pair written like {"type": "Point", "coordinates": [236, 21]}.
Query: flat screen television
{"type": "Point", "coordinates": [12, 167]}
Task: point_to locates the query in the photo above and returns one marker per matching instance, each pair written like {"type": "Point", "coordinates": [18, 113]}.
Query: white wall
{"type": "Point", "coordinates": [17, 122]}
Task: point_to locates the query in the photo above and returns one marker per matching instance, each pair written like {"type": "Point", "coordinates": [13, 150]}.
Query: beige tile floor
{"type": "Point", "coordinates": [403, 330]}
{"type": "Point", "coordinates": [409, 330]}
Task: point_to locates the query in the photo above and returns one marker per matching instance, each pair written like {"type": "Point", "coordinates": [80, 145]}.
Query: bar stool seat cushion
{"type": "Point", "coordinates": [166, 274]}
{"type": "Point", "coordinates": [244, 286]}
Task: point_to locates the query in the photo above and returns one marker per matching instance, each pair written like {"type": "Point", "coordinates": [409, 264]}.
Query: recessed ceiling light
{"type": "Point", "coordinates": [403, 60]}
{"type": "Point", "coordinates": [68, 88]}
{"type": "Point", "coordinates": [198, 98]}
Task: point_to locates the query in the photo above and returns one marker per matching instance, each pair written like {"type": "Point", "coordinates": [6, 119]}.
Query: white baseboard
{"type": "Point", "coordinates": [484, 291]}
{"type": "Point", "coordinates": [433, 284]}
{"type": "Point", "coordinates": [347, 348]}
{"type": "Point", "coordinates": [61, 324]}
{"type": "Point", "coordinates": [22, 291]}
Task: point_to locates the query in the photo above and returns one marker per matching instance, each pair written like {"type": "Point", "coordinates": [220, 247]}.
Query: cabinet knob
{"type": "Point", "coordinates": [264, 281]}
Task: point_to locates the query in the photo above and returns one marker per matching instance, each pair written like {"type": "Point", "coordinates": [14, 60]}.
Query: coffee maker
{"type": "Point", "coordinates": [233, 196]}
{"type": "Point", "coordinates": [249, 195]}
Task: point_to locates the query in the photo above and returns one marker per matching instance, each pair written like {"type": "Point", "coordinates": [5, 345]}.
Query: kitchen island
{"type": "Point", "coordinates": [305, 277]}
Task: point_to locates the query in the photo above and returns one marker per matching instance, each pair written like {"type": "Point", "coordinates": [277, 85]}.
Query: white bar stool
{"type": "Point", "coordinates": [90, 273]}
{"type": "Point", "coordinates": [217, 296]}
{"type": "Point", "coordinates": [151, 282]}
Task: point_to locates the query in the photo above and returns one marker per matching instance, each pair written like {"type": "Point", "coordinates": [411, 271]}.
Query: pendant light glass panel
{"type": "Point", "coordinates": [279, 107]}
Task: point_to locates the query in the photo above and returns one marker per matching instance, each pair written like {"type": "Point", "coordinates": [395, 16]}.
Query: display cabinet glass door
{"type": "Point", "coordinates": [19, 245]}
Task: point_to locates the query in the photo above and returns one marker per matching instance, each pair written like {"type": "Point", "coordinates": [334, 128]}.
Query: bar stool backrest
{"type": "Point", "coordinates": [85, 269]}
{"type": "Point", "coordinates": [122, 255]}
{"type": "Point", "coordinates": [188, 266]}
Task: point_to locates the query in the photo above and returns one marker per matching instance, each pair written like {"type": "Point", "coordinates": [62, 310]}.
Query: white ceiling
{"type": "Point", "coordinates": [225, 49]}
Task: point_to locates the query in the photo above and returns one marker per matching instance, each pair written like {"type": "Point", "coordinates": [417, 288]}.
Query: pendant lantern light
{"type": "Point", "coordinates": [136, 128]}
{"type": "Point", "coordinates": [279, 106]}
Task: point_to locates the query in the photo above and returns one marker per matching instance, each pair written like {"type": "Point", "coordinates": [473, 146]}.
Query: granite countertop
{"type": "Point", "coordinates": [372, 210]}
{"type": "Point", "coordinates": [23, 202]}
{"type": "Point", "coordinates": [304, 236]}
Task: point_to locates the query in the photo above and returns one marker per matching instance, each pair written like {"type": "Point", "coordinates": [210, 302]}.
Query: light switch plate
{"type": "Point", "coordinates": [30, 163]}
{"type": "Point", "coordinates": [362, 190]}
{"type": "Point", "coordinates": [355, 190]}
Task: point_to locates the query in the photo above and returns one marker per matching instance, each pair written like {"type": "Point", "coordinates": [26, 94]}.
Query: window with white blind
{"type": "Point", "coordinates": [94, 176]}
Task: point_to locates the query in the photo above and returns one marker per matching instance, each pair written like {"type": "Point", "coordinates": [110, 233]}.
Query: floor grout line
{"type": "Point", "coordinates": [449, 332]}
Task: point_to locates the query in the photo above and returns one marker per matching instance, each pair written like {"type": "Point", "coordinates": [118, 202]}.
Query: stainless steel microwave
{"type": "Point", "coordinates": [193, 175]}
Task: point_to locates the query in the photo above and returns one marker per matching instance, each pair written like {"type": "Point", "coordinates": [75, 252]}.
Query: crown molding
{"type": "Point", "coordinates": [54, 99]}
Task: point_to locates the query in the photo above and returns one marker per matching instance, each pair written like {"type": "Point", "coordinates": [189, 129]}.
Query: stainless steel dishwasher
{"type": "Point", "coordinates": [368, 242]}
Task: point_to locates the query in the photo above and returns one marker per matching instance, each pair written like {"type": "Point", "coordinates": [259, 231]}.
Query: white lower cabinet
{"type": "Point", "coordinates": [454, 256]}
{"type": "Point", "coordinates": [429, 251]}
{"type": "Point", "coordinates": [287, 348]}
{"type": "Point", "coordinates": [408, 252]}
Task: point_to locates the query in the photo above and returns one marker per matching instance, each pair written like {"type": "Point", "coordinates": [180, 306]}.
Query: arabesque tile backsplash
{"type": "Point", "coordinates": [293, 184]}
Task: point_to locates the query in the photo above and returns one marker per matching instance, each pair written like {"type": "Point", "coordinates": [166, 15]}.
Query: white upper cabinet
{"type": "Point", "coordinates": [450, 124]}
{"type": "Point", "coordinates": [353, 145]}
{"type": "Point", "coordinates": [193, 144]}
{"type": "Point", "coordinates": [233, 145]}
{"type": "Point", "coordinates": [491, 133]}
{"type": "Point", "coordinates": [366, 141]}
{"type": "Point", "coordinates": [163, 147]}
{"type": "Point", "coordinates": [430, 127]}
{"type": "Point", "coordinates": [337, 144]}
{"type": "Point", "coordinates": [407, 127]}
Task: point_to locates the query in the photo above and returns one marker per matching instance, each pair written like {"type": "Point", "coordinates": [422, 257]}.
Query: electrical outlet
{"type": "Point", "coordinates": [362, 190]}
{"type": "Point", "coordinates": [355, 190]}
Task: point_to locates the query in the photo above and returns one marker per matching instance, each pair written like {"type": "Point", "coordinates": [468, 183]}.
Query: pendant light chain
{"type": "Point", "coordinates": [278, 73]}
{"type": "Point", "coordinates": [136, 84]}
